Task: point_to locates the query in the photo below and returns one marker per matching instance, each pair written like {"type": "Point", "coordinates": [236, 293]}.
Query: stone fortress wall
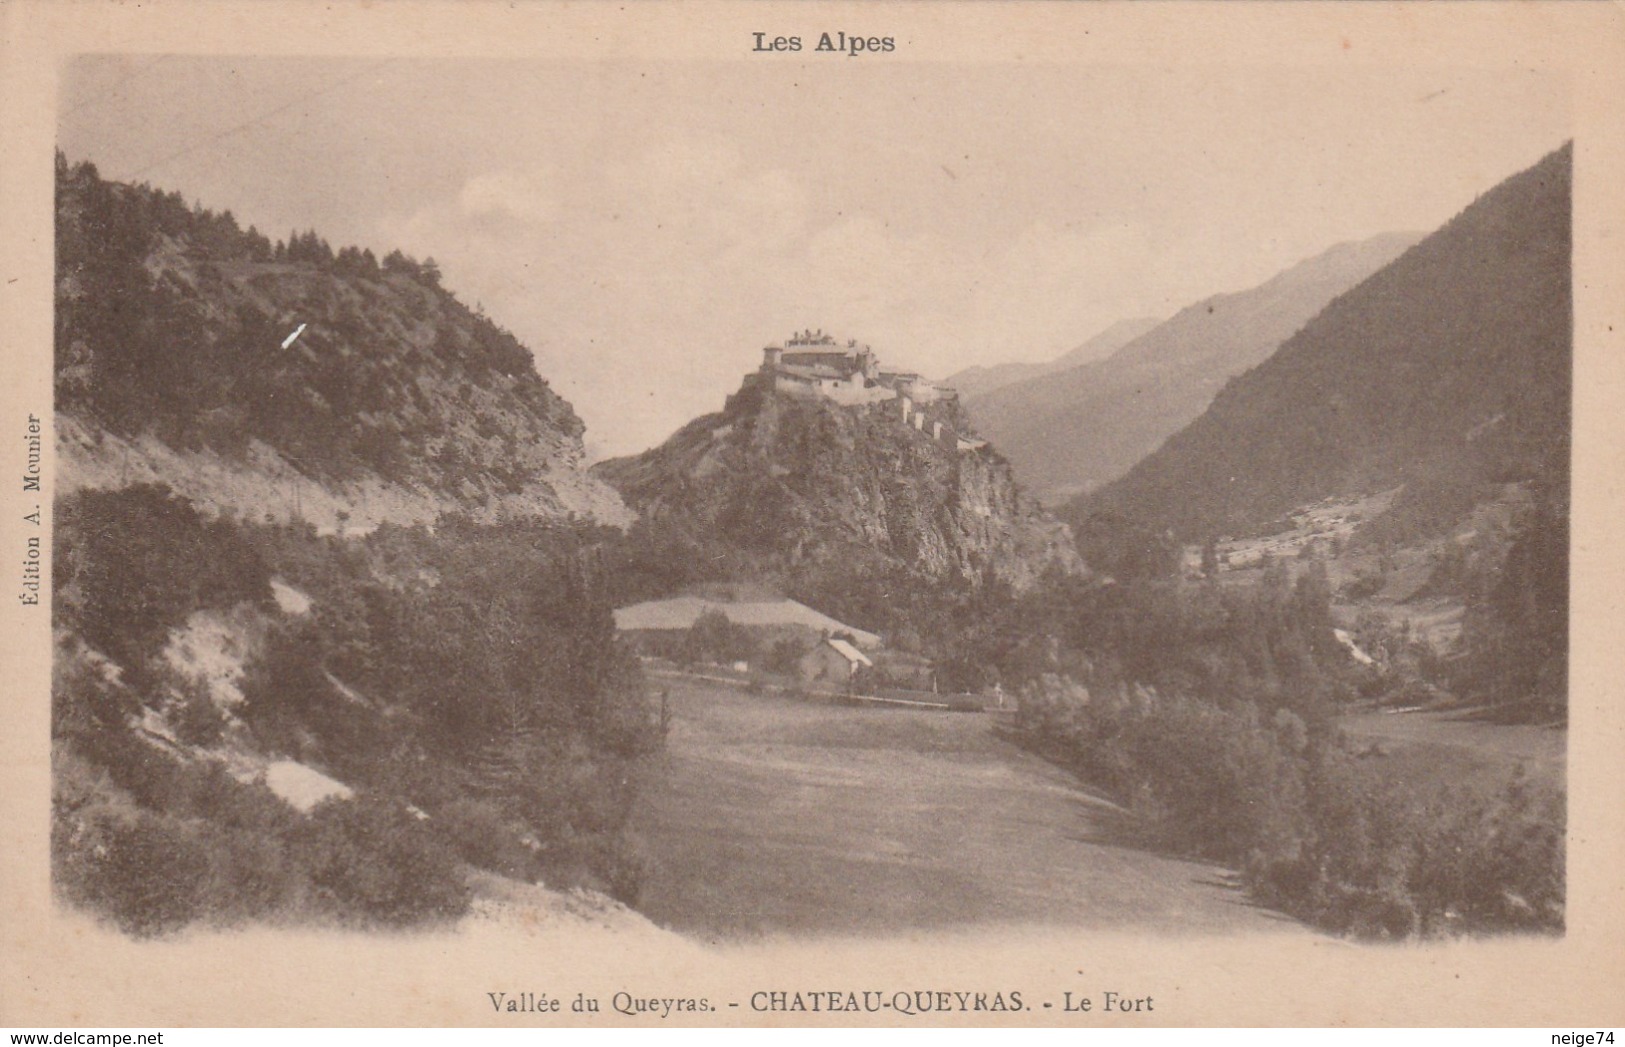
{"type": "Point", "coordinates": [811, 364]}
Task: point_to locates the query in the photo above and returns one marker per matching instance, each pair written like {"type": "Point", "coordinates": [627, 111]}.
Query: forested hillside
{"type": "Point", "coordinates": [270, 702]}
{"type": "Point", "coordinates": [1449, 368]}
{"type": "Point", "coordinates": [1077, 428]}
{"type": "Point", "coordinates": [1443, 382]}
{"type": "Point", "coordinates": [288, 379]}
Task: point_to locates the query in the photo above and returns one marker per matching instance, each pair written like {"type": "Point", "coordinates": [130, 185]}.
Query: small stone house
{"type": "Point", "coordinates": [833, 661]}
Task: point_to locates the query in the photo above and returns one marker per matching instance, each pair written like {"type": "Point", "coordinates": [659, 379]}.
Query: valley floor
{"type": "Point", "coordinates": [770, 816]}
{"type": "Point", "coordinates": [1432, 747]}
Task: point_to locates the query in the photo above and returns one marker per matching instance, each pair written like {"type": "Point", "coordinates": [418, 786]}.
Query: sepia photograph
{"type": "Point", "coordinates": [777, 498]}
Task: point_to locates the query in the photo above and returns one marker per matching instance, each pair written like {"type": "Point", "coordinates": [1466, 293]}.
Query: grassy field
{"type": "Point", "coordinates": [1435, 747]}
{"type": "Point", "coordinates": [771, 816]}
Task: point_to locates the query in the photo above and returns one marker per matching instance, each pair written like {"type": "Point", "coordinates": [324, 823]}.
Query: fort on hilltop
{"type": "Point", "coordinates": [813, 365]}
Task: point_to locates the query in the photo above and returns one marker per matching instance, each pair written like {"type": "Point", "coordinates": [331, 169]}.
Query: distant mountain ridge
{"type": "Point", "coordinates": [1446, 371]}
{"type": "Point", "coordinates": [978, 381]}
{"type": "Point", "coordinates": [1072, 430]}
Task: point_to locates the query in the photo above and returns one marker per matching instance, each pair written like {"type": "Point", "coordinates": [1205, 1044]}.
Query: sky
{"type": "Point", "coordinates": [646, 227]}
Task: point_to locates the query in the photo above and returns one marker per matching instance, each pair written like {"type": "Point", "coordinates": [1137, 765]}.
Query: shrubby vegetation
{"type": "Point", "coordinates": [1515, 632]}
{"type": "Point", "coordinates": [132, 564]}
{"type": "Point", "coordinates": [466, 683]}
{"type": "Point", "coordinates": [1211, 713]}
{"type": "Point", "coordinates": [714, 639]}
{"type": "Point", "coordinates": [1317, 831]}
{"type": "Point", "coordinates": [155, 843]}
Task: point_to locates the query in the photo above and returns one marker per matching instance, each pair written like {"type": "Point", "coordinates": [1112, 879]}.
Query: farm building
{"type": "Point", "coordinates": [833, 661]}
{"type": "Point", "coordinates": [654, 624]}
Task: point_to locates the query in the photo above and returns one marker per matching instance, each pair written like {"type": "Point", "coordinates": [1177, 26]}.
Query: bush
{"type": "Point", "coordinates": [484, 837]}
{"type": "Point", "coordinates": [1364, 586]}
{"type": "Point", "coordinates": [193, 715]}
{"type": "Point", "coordinates": [215, 853]}
{"type": "Point", "coordinates": [1493, 862]}
{"type": "Point", "coordinates": [616, 865]}
{"type": "Point", "coordinates": [1316, 832]}
{"type": "Point", "coordinates": [83, 701]}
{"type": "Point", "coordinates": [784, 657]}
{"type": "Point", "coordinates": [714, 639]}
{"type": "Point", "coordinates": [1210, 781]}
{"type": "Point", "coordinates": [371, 861]}
{"type": "Point", "coordinates": [145, 871]}
{"type": "Point", "coordinates": [474, 672]}
{"type": "Point", "coordinates": [116, 569]}
{"type": "Point", "coordinates": [250, 876]}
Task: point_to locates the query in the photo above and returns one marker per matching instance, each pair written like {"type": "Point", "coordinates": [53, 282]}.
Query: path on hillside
{"type": "Point", "coordinates": [769, 815]}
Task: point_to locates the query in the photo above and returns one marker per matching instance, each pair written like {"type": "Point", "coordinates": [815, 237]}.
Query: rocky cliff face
{"type": "Point", "coordinates": [286, 381]}
{"type": "Point", "coordinates": [807, 483]}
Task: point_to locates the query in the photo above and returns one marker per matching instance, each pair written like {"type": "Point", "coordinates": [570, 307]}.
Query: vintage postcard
{"type": "Point", "coordinates": [980, 514]}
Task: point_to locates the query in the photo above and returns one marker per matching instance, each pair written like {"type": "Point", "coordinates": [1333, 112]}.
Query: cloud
{"type": "Point", "coordinates": [646, 299]}
{"type": "Point", "coordinates": [507, 194]}
{"type": "Point", "coordinates": [650, 292]}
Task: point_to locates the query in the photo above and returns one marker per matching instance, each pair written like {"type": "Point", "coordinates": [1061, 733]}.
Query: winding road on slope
{"type": "Point", "coordinates": [769, 816]}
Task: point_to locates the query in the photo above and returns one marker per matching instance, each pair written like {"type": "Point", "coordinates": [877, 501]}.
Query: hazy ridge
{"type": "Point", "coordinates": [1073, 430]}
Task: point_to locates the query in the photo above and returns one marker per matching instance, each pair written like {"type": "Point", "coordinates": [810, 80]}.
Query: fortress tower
{"type": "Point", "coordinates": [811, 363]}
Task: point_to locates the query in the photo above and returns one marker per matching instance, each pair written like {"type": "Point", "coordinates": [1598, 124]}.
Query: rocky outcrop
{"type": "Point", "coordinates": [804, 482]}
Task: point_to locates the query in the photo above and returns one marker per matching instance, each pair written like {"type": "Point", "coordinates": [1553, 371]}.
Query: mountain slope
{"type": "Point", "coordinates": [252, 720]}
{"type": "Point", "coordinates": [794, 485]}
{"type": "Point", "coordinates": [979, 381]}
{"type": "Point", "coordinates": [1073, 430]}
{"type": "Point", "coordinates": [290, 381]}
{"type": "Point", "coordinates": [1447, 369]}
